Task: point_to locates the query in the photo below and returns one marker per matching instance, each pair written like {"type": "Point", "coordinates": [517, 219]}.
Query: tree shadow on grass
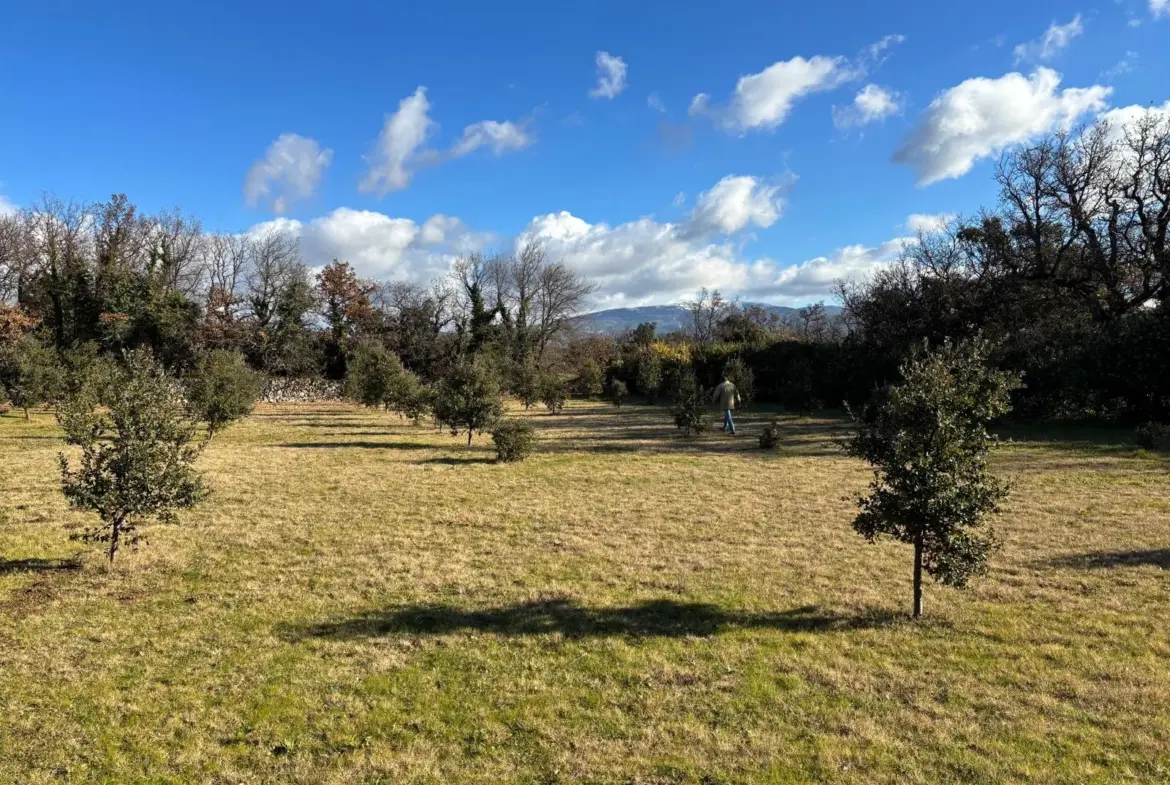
{"type": "Point", "coordinates": [11, 566]}
{"type": "Point", "coordinates": [357, 445]}
{"type": "Point", "coordinates": [451, 461]}
{"type": "Point", "coordinates": [1158, 557]}
{"type": "Point", "coordinates": [657, 618]}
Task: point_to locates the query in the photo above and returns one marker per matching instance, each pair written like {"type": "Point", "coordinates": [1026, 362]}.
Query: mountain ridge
{"type": "Point", "coordinates": [669, 318]}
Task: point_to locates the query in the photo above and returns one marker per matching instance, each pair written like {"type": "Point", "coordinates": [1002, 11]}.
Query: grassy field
{"type": "Point", "coordinates": [365, 601]}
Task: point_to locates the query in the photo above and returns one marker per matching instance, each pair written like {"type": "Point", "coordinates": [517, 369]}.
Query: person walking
{"type": "Point", "coordinates": [727, 396]}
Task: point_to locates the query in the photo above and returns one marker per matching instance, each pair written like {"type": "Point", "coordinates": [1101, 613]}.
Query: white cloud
{"type": "Point", "coordinates": [1126, 116]}
{"type": "Point", "coordinates": [290, 170]}
{"type": "Point", "coordinates": [635, 263]}
{"type": "Point", "coordinates": [1055, 38]}
{"type": "Point", "coordinates": [1160, 8]}
{"type": "Point", "coordinates": [872, 104]}
{"type": "Point", "coordinates": [928, 223]}
{"type": "Point", "coordinates": [392, 161]}
{"type": "Point", "coordinates": [814, 279]}
{"type": "Point", "coordinates": [763, 100]}
{"type": "Point", "coordinates": [505, 137]}
{"type": "Point", "coordinates": [6, 207]}
{"type": "Point", "coordinates": [734, 203]}
{"type": "Point", "coordinates": [655, 103]}
{"type": "Point", "coordinates": [981, 117]}
{"type": "Point", "coordinates": [679, 199]}
{"type": "Point", "coordinates": [611, 76]}
{"type": "Point", "coordinates": [399, 152]}
{"type": "Point", "coordinates": [382, 247]}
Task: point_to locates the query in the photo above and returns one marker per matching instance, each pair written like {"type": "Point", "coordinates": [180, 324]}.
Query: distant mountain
{"type": "Point", "coordinates": [668, 317]}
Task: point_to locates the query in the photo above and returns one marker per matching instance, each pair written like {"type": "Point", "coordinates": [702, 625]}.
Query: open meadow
{"type": "Point", "coordinates": [362, 600]}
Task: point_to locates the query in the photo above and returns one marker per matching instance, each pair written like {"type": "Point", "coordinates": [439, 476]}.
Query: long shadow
{"type": "Point", "coordinates": [449, 461]}
{"type": "Point", "coordinates": [11, 566]}
{"type": "Point", "coordinates": [657, 618]}
{"type": "Point", "coordinates": [1158, 557]}
{"type": "Point", "coordinates": [356, 445]}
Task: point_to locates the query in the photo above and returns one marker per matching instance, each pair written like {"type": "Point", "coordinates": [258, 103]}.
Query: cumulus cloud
{"type": "Point", "coordinates": [1123, 117]}
{"type": "Point", "coordinates": [872, 104]}
{"type": "Point", "coordinates": [6, 207]}
{"type": "Point", "coordinates": [655, 102]}
{"type": "Point", "coordinates": [1160, 8]}
{"type": "Point", "coordinates": [734, 203]}
{"type": "Point", "coordinates": [290, 169]}
{"type": "Point", "coordinates": [981, 117]}
{"type": "Point", "coordinates": [380, 246]}
{"type": "Point", "coordinates": [1055, 38]}
{"type": "Point", "coordinates": [928, 223]}
{"type": "Point", "coordinates": [764, 100]}
{"type": "Point", "coordinates": [611, 76]}
{"type": "Point", "coordinates": [644, 262]}
{"type": "Point", "coordinates": [814, 279]}
{"type": "Point", "coordinates": [399, 151]}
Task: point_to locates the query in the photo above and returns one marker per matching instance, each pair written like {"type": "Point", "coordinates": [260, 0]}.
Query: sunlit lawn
{"type": "Point", "coordinates": [361, 600]}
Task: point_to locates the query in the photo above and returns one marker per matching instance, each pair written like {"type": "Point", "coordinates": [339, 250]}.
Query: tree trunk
{"type": "Point", "coordinates": [26, 414]}
{"type": "Point", "coordinates": [469, 434]}
{"type": "Point", "coordinates": [918, 576]}
{"type": "Point", "coordinates": [115, 533]}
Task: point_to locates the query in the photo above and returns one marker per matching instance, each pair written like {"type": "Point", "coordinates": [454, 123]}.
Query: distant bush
{"type": "Point", "coordinates": [618, 392]}
{"type": "Point", "coordinates": [648, 376]}
{"type": "Point", "coordinates": [513, 439]}
{"type": "Point", "coordinates": [552, 393]}
{"type": "Point", "coordinates": [690, 405]}
{"type": "Point", "coordinates": [222, 389]}
{"type": "Point", "coordinates": [1154, 436]}
{"type": "Point", "coordinates": [409, 397]}
{"type": "Point", "coordinates": [590, 381]}
{"type": "Point", "coordinates": [30, 373]}
{"type": "Point", "coordinates": [770, 436]}
{"type": "Point", "coordinates": [370, 374]}
{"type": "Point", "coordinates": [526, 384]}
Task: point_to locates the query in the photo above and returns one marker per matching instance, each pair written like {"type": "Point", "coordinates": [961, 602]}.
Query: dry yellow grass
{"type": "Point", "coordinates": [363, 601]}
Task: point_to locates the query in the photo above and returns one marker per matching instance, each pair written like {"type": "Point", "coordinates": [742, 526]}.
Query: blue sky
{"type": "Point", "coordinates": [825, 126]}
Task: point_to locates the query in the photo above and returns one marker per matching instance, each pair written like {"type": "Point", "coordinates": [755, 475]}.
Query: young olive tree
{"type": "Point", "coordinates": [31, 373]}
{"type": "Point", "coordinates": [222, 389]}
{"type": "Point", "coordinates": [371, 374]}
{"type": "Point", "coordinates": [468, 398]}
{"type": "Point", "coordinates": [690, 404]}
{"type": "Point", "coordinates": [927, 439]}
{"type": "Point", "coordinates": [137, 452]}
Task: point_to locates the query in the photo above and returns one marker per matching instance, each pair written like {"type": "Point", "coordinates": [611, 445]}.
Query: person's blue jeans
{"type": "Point", "coordinates": [728, 423]}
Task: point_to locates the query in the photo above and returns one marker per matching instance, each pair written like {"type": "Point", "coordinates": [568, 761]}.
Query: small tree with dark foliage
{"type": "Point", "coordinates": [618, 392]}
{"type": "Point", "coordinates": [690, 405]}
{"type": "Point", "coordinates": [222, 389]}
{"type": "Point", "coordinates": [137, 453]}
{"type": "Point", "coordinates": [30, 373]}
{"type": "Point", "coordinates": [771, 436]}
{"type": "Point", "coordinates": [468, 398]}
{"type": "Point", "coordinates": [513, 440]}
{"type": "Point", "coordinates": [370, 375]}
{"type": "Point", "coordinates": [928, 441]}
{"type": "Point", "coordinates": [552, 393]}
